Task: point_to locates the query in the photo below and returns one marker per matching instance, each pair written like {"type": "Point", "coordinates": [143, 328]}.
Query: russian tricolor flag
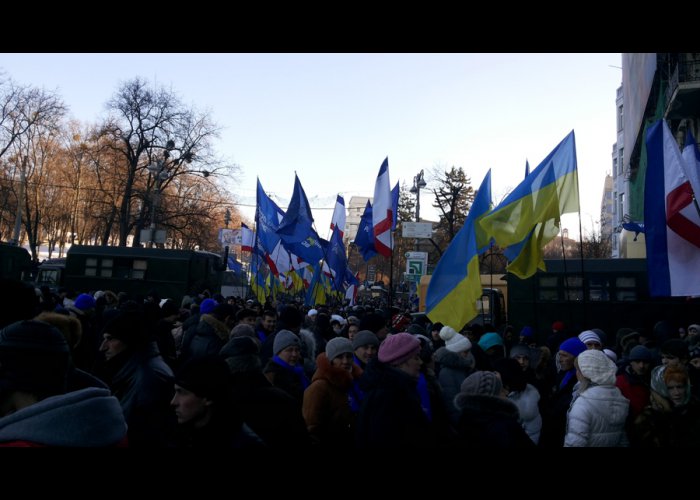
{"type": "Point", "coordinates": [671, 218]}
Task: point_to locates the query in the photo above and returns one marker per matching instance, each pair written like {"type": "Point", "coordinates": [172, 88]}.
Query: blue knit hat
{"type": "Point", "coordinates": [488, 340]}
{"type": "Point", "coordinates": [526, 332]}
{"type": "Point", "coordinates": [84, 301]}
{"type": "Point", "coordinates": [207, 306]}
{"type": "Point", "coordinates": [573, 346]}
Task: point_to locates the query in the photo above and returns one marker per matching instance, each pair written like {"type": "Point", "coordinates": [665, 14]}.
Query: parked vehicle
{"type": "Point", "coordinates": [15, 262]}
{"type": "Point", "coordinates": [135, 270]}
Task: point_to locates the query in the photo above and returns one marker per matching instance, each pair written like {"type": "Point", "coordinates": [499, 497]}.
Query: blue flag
{"type": "Point", "coordinates": [296, 227]}
{"type": "Point", "coordinates": [365, 235]}
{"type": "Point", "coordinates": [336, 259]}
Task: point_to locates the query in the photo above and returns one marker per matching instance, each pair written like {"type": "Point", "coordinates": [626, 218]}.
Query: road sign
{"type": "Point", "coordinates": [416, 267]}
{"type": "Point", "coordinates": [417, 229]}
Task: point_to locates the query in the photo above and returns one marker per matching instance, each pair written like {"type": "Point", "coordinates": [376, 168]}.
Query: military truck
{"type": "Point", "coordinates": [135, 270]}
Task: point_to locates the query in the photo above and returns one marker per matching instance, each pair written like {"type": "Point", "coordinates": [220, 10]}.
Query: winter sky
{"type": "Point", "coordinates": [333, 118]}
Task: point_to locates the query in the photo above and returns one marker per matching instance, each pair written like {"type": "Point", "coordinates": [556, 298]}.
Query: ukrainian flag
{"type": "Point", "coordinates": [529, 217]}
{"type": "Point", "coordinates": [455, 285]}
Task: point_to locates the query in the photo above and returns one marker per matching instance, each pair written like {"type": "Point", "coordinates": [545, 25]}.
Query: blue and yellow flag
{"type": "Point", "coordinates": [455, 285]}
{"type": "Point", "coordinates": [530, 215]}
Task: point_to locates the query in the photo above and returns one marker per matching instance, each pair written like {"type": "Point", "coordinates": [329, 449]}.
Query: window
{"type": "Point", "coordinates": [620, 118]}
{"type": "Point", "coordinates": [106, 271]}
{"type": "Point", "coordinates": [139, 270]}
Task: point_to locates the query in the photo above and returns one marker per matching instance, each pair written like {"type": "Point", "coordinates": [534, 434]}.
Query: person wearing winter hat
{"type": "Point", "coordinates": [597, 415]}
{"type": "Point", "coordinates": [285, 369]}
{"type": "Point", "coordinates": [456, 362]}
{"type": "Point", "coordinates": [35, 409]}
{"type": "Point", "coordinates": [693, 333]}
{"type": "Point", "coordinates": [84, 302]}
{"type": "Point", "coordinates": [207, 306]}
{"type": "Point", "coordinates": [203, 405]}
{"type": "Point", "coordinates": [391, 415]}
{"type": "Point", "coordinates": [486, 418]}
{"type": "Point", "coordinates": [633, 380]}
{"type": "Point", "coordinates": [364, 345]}
{"type": "Point", "coordinates": [591, 340]}
{"type": "Point", "coordinates": [454, 342]}
{"type": "Point", "coordinates": [672, 419]}
{"type": "Point", "coordinates": [138, 376]}
{"type": "Point", "coordinates": [554, 409]}
{"type": "Point", "coordinates": [401, 350]}
{"type": "Point", "coordinates": [333, 399]}
{"type": "Point", "coordinates": [525, 396]}
{"type": "Point", "coordinates": [491, 343]}
{"type": "Point", "coordinates": [527, 336]}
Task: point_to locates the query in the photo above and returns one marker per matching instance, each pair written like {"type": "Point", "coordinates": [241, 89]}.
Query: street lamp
{"type": "Point", "coordinates": [418, 184]}
{"type": "Point", "coordinates": [160, 173]}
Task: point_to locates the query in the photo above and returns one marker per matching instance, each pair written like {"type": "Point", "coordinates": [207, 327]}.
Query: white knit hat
{"type": "Point", "coordinates": [455, 342]}
{"type": "Point", "coordinates": [597, 367]}
{"type": "Point", "coordinates": [589, 336]}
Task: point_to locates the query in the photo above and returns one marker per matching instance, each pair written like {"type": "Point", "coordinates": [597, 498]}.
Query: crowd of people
{"type": "Point", "coordinates": [102, 369]}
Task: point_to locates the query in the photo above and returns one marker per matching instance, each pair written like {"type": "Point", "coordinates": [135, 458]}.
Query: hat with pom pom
{"type": "Point", "coordinates": [454, 342]}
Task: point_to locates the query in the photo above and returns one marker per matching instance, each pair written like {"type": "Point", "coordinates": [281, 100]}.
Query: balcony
{"type": "Point", "coordinates": [683, 93]}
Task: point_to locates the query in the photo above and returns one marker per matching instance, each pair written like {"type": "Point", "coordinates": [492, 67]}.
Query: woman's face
{"type": "Point", "coordinates": [291, 355]}
{"type": "Point", "coordinates": [676, 392]}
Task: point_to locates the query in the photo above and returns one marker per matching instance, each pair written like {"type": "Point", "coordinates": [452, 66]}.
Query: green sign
{"type": "Point", "coordinates": [415, 267]}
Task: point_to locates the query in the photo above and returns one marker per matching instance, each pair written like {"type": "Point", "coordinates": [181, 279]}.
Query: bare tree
{"type": "Point", "coordinates": [151, 126]}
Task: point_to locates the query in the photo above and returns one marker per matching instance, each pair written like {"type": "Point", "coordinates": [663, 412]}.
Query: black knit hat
{"type": "Point", "coordinates": [127, 326]}
{"type": "Point", "coordinates": [207, 377]}
{"type": "Point", "coordinates": [34, 357]}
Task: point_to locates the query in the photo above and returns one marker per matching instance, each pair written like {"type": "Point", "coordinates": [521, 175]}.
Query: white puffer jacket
{"type": "Point", "coordinates": [597, 418]}
{"type": "Point", "coordinates": [530, 417]}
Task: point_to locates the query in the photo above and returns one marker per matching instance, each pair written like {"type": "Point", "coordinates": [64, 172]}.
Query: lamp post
{"type": "Point", "coordinates": [418, 184]}
{"type": "Point", "coordinates": [158, 170]}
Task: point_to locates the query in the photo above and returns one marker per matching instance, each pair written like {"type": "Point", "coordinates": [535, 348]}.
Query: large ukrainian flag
{"type": "Point", "coordinates": [455, 285]}
{"type": "Point", "coordinates": [530, 215]}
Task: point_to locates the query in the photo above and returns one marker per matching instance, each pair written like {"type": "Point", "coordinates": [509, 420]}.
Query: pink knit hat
{"type": "Point", "coordinates": [398, 348]}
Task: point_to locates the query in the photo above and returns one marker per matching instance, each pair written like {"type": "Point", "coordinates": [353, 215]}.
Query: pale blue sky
{"type": "Point", "coordinates": [334, 117]}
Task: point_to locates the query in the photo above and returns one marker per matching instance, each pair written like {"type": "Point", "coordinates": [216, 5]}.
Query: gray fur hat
{"type": "Point", "coordinates": [284, 339]}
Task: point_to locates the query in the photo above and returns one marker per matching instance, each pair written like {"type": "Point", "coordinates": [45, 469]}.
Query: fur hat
{"type": "Point", "coordinates": [364, 337]}
{"type": "Point", "coordinates": [240, 346]}
{"type": "Point", "coordinates": [482, 383]}
{"type": "Point", "coordinates": [489, 340]}
{"type": "Point", "coordinates": [284, 339]}
{"type": "Point", "coordinates": [84, 302]}
{"type": "Point", "coordinates": [34, 357]}
{"type": "Point", "coordinates": [398, 348]}
{"type": "Point", "coordinates": [207, 306]}
{"type": "Point", "coordinates": [589, 336]}
{"type": "Point", "coordinates": [337, 346]}
{"type": "Point", "coordinates": [597, 367]}
{"type": "Point", "coordinates": [454, 342]}
{"type": "Point", "coordinates": [640, 353]}
{"type": "Point", "coordinates": [208, 377]}
{"type": "Point", "coordinates": [573, 346]}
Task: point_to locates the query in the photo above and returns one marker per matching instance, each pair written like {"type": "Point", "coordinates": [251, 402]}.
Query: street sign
{"type": "Point", "coordinates": [415, 278]}
{"type": "Point", "coordinates": [416, 267]}
{"type": "Point", "coordinates": [417, 229]}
